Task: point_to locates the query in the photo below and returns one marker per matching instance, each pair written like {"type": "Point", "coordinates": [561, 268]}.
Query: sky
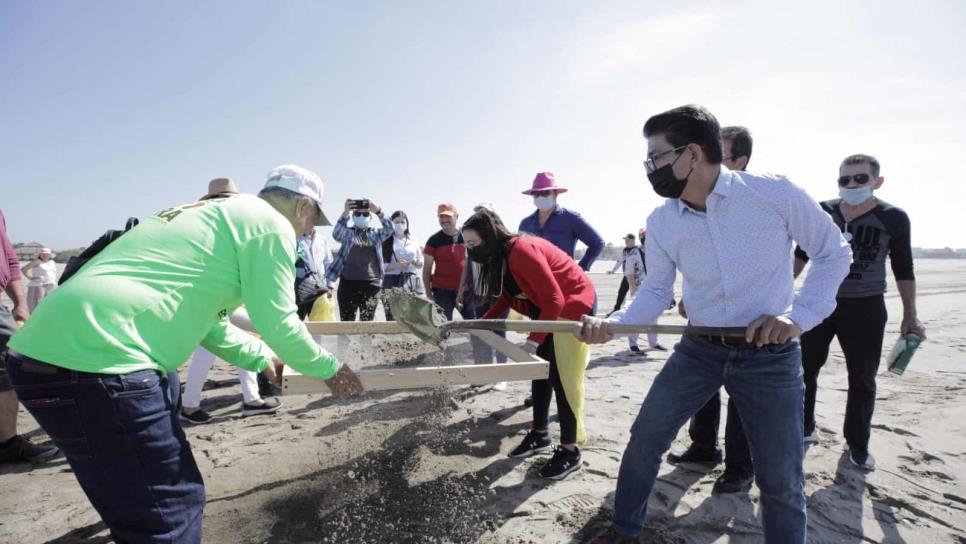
{"type": "Point", "coordinates": [118, 109]}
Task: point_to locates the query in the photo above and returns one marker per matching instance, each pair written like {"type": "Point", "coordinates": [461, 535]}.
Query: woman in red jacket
{"type": "Point", "coordinates": [537, 279]}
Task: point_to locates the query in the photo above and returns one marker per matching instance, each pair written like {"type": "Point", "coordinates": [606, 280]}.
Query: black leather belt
{"type": "Point", "coordinates": [729, 342]}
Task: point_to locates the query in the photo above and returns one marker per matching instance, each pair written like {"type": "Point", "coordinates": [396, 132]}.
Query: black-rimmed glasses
{"type": "Point", "coordinates": [650, 162]}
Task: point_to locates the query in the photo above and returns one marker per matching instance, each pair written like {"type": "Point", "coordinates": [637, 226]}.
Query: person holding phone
{"type": "Point", "coordinates": [359, 265]}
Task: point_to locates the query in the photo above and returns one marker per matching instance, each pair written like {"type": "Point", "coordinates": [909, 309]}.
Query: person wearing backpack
{"type": "Point", "coordinates": [92, 364]}
{"type": "Point", "coordinates": [634, 268]}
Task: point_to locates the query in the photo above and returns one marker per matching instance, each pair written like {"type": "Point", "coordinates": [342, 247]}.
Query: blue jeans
{"type": "Point", "coordinates": [446, 299]}
{"type": "Point", "coordinates": [123, 441]}
{"type": "Point", "coordinates": [767, 387]}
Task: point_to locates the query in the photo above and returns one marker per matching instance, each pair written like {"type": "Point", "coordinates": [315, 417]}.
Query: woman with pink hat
{"type": "Point", "coordinates": [561, 227]}
{"type": "Point", "coordinates": [42, 274]}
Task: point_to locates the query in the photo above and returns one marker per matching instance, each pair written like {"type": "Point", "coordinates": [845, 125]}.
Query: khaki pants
{"type": "Point", "coordinates": [632, 338]}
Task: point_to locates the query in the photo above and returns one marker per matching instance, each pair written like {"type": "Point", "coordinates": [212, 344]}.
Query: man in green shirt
{"type": "Point", "coordinates": [91, 363]}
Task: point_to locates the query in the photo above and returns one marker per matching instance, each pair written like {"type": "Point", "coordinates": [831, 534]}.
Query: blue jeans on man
{"type": "Point", "coordinates": [123, 441]}
{"type": "Point", "coordinates": [767, 387]}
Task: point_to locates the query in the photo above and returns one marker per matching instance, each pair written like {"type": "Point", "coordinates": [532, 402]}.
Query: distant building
{"type": "Point", "coordinates": [27, 251]}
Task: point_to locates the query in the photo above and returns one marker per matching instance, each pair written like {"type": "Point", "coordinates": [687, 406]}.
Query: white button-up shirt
{"type": "Point", "coordinates": [736, 258]}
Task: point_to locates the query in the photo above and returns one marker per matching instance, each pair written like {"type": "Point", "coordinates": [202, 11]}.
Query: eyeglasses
{"type": "Point", "coordinates": [650, 163]}
{"type": "Point", "coordinates": [361, 214]}
{"type": "Point", "coordinates": [861, 179]}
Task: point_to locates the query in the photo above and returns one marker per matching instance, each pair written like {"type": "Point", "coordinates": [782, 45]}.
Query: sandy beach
{"type": "Point", "coordinates": [431, 466]}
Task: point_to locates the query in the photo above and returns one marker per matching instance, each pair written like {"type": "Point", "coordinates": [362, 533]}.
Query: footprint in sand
{"type": "Point", "coordinates": [897, 430]}
{"type": "Point", "coordinates": [580, 501]}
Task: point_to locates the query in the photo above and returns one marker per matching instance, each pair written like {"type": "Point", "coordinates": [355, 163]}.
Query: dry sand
{"type": "Point", "coordinates": [431, 466]}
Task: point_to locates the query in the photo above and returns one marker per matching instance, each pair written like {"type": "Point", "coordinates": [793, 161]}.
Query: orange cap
{"type": "Point", "coordinates": [446, 208]}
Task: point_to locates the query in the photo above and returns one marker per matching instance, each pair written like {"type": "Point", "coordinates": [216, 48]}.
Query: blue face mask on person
{"type": "Point", "coordinates": [854, 196]}
{"type": "Point", "coordinates": [360, 221]}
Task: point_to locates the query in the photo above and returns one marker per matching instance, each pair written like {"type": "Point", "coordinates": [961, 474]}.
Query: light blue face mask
{"type": "Point", "coordinates": [855, 195]}
{"type": "Point", "coordinates": [360, 221]}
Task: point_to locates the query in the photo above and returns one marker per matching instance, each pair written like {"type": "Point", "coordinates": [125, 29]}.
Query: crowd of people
{"type": "Point", "coordinates": [215, 278]}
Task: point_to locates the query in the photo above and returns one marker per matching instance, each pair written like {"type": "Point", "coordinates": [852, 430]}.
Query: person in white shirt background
{"type": "Point", "coordinates": [730, 234]}
{"type": "Point", "coordinates": [403, 260]}
{"type": "Point", "coordinates": [42, 273]}
{"type": "Point", "coordinates": [202, 360]}
{"type": "Point", "coordinates": [634, 269]}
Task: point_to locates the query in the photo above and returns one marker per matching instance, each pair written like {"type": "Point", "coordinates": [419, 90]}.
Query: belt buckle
{"type": "Point", "coordinates": [738, 344]}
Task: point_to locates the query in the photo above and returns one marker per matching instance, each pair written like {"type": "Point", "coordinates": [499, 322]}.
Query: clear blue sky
{"type": "Point", "coordinates": [117, 109]}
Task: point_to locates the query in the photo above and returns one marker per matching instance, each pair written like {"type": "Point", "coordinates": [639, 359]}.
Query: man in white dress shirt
{"type": "Point", "coordinates": [730, 234]}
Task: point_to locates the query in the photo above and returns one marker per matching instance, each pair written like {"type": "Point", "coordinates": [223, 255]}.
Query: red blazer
{"type": "Point", "coordinates": [551, 280]}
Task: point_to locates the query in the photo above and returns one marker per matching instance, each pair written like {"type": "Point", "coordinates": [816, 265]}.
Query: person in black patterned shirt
{"type": "Point", "coordinates": [876, 230]}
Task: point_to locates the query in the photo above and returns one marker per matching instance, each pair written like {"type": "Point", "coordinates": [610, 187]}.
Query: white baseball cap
{"type": "Point", "coordinates": [302, 181]}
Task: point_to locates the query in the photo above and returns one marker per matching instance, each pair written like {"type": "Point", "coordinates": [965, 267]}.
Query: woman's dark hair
{"type": "Point", "coordinates": [685, 125]}
{"type": "Point", "coordinates": [493, 233]}
{"type": "Point", "coordinates": [387, 244]}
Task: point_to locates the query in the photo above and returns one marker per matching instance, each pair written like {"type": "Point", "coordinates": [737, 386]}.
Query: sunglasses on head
{"type": "Point", "coordinates": [861, 179]}
{"type": "Point", "coordinates": [361, 214]}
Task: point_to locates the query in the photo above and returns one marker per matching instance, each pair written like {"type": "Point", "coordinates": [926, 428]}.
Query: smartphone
{"type": "Point", "coordinates": [360, 204]}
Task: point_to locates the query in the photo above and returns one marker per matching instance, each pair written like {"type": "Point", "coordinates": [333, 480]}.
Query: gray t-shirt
{"type": "Point", "coordinates": [881, 232]}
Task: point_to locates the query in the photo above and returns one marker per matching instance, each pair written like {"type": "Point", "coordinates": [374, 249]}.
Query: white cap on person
{"type": "Point", "coordinates": [302, 181]}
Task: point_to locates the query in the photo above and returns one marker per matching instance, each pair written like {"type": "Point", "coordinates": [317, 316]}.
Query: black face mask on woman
{"type": "Point", "coordinates": [482, 253]}
{"type": "Point", "coordinates": [665, 183]}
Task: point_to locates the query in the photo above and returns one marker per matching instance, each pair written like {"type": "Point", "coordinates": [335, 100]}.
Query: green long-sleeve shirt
{"type": "Point", "coordinates": [156, 293]}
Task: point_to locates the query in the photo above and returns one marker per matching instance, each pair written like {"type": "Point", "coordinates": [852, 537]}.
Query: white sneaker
{"type": "Point", "coordinates": [867, 464]}
{"type": "Point", "coordinates": [499, 386]}
{"type": "Point", "coordinates": [812, 438]}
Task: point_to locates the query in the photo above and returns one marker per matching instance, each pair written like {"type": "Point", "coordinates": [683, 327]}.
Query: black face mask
{"type": "Point", "coordinates": [481, 254]}
{"type": "Point", "coordinates": [665, 183]}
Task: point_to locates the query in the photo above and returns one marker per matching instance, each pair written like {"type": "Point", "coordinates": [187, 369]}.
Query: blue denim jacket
{"type": "Point", "coordinates": [345, 235]}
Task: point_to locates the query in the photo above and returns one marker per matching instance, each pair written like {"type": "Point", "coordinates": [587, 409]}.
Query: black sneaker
{"type": "Point", "coordinates": [19, 448]}
{"type": "Point", "coordinates": [528, 402]}
{"type": "Point", "coordinates": [197, 417]}
{"type": "Point", "coordinates": [532, 444]}
{"type": "Point", "coordinates": [731, 483]}
{"type": "Point", "coordinates": [561, 464]}
{"type": "Point", "coordinates": [659, 347]}
{"type": "Point", "coordinates": [696, 455]}
{"type": "Point", "coordinates": [267, 407]}
{"type": "Point", "coordinates": [635, 349]}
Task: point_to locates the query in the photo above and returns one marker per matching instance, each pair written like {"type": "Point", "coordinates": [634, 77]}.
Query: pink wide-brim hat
{"type": "Point", "coordinates": [544, 182]}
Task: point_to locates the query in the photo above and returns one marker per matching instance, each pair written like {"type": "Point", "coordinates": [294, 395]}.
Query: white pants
{"type": "Point", "coordinates": [202, 360]}
{"type": "Point", "coordinates": [201, 363]}
{"type": "Point", "coordinates": [632, 338]}
{"type": "Point", "coordinates": [36, 293]}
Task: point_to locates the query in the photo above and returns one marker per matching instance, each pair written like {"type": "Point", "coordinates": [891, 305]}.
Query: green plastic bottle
{"type": "Point", "coordinates": [903, 351]}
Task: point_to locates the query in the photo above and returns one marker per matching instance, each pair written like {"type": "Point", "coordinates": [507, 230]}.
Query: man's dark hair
{"type": "Point", "coordinates": [859, 158]}
{"type": "Point", "coordinates": [689, 124]}
{"type": "Point", "coordinates": [740, 141]}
